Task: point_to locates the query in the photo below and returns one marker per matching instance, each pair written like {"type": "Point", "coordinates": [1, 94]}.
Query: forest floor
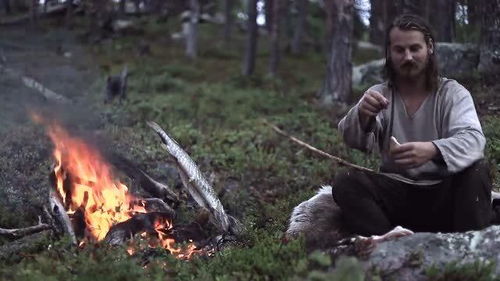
{"type": "Point", "coordinates": [213, 112]}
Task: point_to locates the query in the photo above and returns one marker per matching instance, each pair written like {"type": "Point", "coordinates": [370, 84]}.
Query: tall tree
{"type": "Point", "coordinates": [489, 58]}
{"type": "Point", "coordinates": [410, 6]}
{"type": "Point", "coordinates": [382, 14]}
{"type": "Point", "coordinates": [34, 11]}
{"type": "Point", "coordinates": [337, 85]}
{"type": "Point", "coordinates": [6, 6]}
{"type": "Point", "coordinates": [192, 30]}
{"type": "Point", "coordinates": [441, 16]}
{"type": "Point", "coordinates": [69, 11]}
{"type": "Point", "coordinates": [251, 44]}
{"type": "Point", "coordinates": [268, 12]}
{"type": "Point", "coordinates": [473, 12]}
{"type": "Point", "coordinates": [122, 7]}
{"type": "Point", "coordinates": [377, 22]}
{"type": "Point", "coordinates": [274, 57]}
{"type": "Point", "coordinates": [298, 35]}
{"type": "Point", "coordinates": [228, 17]}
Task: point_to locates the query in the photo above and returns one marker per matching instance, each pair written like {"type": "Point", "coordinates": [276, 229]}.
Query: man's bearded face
{"type": "Point", "coordinates": [409, 53]}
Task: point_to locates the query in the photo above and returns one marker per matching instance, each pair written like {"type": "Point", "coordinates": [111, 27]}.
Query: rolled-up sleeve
{"type": "Point", "coordinates": [462, 141]}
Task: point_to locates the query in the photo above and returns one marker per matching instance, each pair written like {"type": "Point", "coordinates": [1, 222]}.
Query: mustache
{"type": "Point", "coordinates": [409, 64]}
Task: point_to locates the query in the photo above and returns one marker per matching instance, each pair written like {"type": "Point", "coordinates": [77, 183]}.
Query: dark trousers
{"type": "Point", "coordinates": [373, 204]}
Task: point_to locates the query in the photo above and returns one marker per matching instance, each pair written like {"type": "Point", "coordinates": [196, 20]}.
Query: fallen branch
{"type": "Point", "coordinates": [35, 85]}
{"type": "Point", "coordinates": [318, 151]}
{"type": "Point", "coordinates": [21, 232]}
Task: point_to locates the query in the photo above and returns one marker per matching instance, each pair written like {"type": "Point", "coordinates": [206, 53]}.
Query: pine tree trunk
{"type": "Point", "coordinates": [275, 38]}
{"type": "Point", "coordinates": [298, 36]}
{"type": "Point", "coordinates": [410, 6]}
{"type": "Point", "coordinates": [268, 9]}
{"type": "Point", "coordinates": [34, 12]}
{"type": "Point", "coordinates": [377, 23]}
{"type": "Point", "coordinates": [122, 7]}
{"type": "Point", "coordinates": [337, 85]}
{"type": "Point", "coordinates": [474, 12]}
{"type": "Point", "coordinates": [442, 18]}
{"type": "Point", "coordinates": [192, 32]}
{"type": "Point", "coordinates": [69, 11]}
{"type": "Point", "coordinates": [7, 7]}
{"type": "Point", "coordinates": [489, 58]}
{"type": "Point", "coordinates": [228, 25]}
{"type": "Point", "coordinates": [251, 44]}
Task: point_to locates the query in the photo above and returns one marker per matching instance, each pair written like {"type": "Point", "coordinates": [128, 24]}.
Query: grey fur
{"type": "Point", "coordinates": [318, 219]}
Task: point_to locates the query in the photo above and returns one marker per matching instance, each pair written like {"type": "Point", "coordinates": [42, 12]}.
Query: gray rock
{"type": "Point", "coordinates": [368, 73]}
{"type": "Point", "coordinates": [407, 258]}
{"type": "Point", "coordinates": [457, 59]}
{"type": "Point", "coordinates": [454, 60]}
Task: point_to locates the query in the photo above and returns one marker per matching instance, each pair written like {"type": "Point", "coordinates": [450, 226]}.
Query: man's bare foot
{"type": "Point", "coordinates": [364, 246]}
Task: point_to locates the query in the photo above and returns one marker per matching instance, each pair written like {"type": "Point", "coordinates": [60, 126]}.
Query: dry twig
{"type": "Point", "coordinates": [318, 151]}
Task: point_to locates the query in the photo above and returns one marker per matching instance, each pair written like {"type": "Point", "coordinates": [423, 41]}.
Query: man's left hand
{"type": "Point", "coordinates": [413, 154]}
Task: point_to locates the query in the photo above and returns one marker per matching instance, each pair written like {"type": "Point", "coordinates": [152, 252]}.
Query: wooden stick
{"type": "Point", "coordinates": [21, 232]}
{"type": "Point", "coordinates": [318, 151]}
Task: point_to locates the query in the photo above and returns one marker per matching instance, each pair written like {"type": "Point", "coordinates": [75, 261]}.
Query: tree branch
{"type": "Point", "coordinates": [21, 232]}
{"type": "Point", "coordinates": [318, 151]}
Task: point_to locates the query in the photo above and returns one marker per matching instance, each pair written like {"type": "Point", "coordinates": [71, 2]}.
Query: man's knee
{"type": "Point", "coordinates": [346, 186]}
{"type": "Point", "coordinates": [476, 176]}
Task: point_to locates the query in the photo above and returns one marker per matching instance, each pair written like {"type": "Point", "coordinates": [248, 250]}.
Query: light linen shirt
{"type": "Point", "coordinates": [446, 117]}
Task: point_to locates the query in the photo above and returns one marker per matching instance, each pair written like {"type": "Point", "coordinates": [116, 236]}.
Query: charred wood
{"type": "Point", "coordinates": [158, 205]}
{"type": "Point", "coordinates": [123, 231]}
{"type": "Point", "coordinates": [151, 186]}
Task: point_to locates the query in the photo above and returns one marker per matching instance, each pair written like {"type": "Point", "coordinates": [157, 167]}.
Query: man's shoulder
{"type": "Point", "coordinates": [451, 88]}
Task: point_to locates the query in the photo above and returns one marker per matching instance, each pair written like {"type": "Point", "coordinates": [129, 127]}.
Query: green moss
{"type": "Point", "coordinates": [455, 271]}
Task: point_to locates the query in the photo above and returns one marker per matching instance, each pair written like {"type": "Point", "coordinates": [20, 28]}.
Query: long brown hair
{"type": "Point", "coordinates": [413, 22]}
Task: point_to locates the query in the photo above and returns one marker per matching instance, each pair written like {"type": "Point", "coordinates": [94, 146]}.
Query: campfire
{"type": "Point", "coordinates": [91, 205]}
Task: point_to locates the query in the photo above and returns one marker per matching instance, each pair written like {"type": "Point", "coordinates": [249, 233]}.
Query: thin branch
{"type": "Point", "coordinates": [318, 151]}
{"type": "Point", "coordinates": [21, 232]}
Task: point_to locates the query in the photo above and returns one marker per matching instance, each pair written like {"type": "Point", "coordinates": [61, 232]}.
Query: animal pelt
{"type": "Point", "coordinates": [318, 220]}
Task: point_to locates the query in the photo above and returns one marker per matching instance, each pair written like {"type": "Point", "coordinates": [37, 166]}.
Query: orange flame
{"type": "Point", "coordinates": [104, 200]}
{"type": "Point", "coordinates": [85, 181]}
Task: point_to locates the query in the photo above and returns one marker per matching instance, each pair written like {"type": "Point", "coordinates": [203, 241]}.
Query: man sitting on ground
{"type": "Point", "coordinates": [431, 143]}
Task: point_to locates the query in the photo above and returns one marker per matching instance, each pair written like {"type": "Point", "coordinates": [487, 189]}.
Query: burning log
{"type": "Point", "coordinates": [16, 233]}
{"type": "Point", "coordinates": [119, 233]}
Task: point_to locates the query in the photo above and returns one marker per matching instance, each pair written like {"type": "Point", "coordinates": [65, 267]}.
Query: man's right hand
{"type": "Point", "coordinates": [370, 105]}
